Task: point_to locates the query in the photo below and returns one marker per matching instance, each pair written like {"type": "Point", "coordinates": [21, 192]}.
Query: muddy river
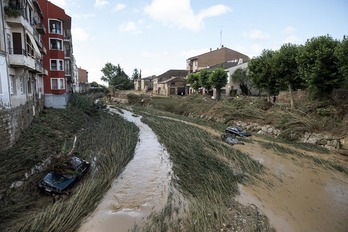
{"type": "Point", "coordinates": [141, 189]}
{"type": "Point", "coordinates": [298, 195]}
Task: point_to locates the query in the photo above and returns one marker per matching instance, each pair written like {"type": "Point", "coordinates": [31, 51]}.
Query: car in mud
{"type": "Point", "coordinates": [237, 131]}
{"type": "Point", "coordinates": [60, 182]}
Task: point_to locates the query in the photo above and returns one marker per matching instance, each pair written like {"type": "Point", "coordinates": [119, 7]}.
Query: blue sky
{"type": "Point", "coordinates": [158, 35]}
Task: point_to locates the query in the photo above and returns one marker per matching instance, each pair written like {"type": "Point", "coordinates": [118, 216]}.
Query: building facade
{"type": "Point", "coordinates": [59, 58]}
{"type": "Point", "coordinates": [82, 81]}
{"type": "Point", "coordinates": [213, 57]}
{"type": "Point", "coordinates": [171, 82]}
{"type": "Point", "coordinates": [21, 67]}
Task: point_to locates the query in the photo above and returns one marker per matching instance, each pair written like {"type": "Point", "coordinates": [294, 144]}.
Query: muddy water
{"type": "Point", "coordinates": [299, 195]}
{"type": "Point", "coordinates": [141, 189]}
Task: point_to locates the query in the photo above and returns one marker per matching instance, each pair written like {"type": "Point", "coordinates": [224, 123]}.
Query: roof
{"type": "Point", "coordinates": [172, 73]}
{"type": "Point", "coordinates": [213, 51]}
{"type": "Point", "coordinates": [170, 79]}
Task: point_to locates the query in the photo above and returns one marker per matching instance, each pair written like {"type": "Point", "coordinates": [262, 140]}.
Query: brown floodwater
{"type": "Point", "coordinates": [141, 189]}
{"type": "Point", "coordinates": [299, 195]}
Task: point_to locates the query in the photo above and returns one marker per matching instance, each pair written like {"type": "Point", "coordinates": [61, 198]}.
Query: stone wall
{"type": "Point", "coordinates": [13, 121]}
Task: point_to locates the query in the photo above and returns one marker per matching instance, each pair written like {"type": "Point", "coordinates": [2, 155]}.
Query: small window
{"type": "Point", "coordinates": [29, 85]}
{"type": "Point", "coordinates": [57, 65]}
{"type": "Point", "coordinates": [13, 85]}
{"type": "Point", "coordinates": [22, 85]}
{"type": "Point", "coordinates": [56, 44]}
{"type": "Point", "coordinates": [55, 26]}
{"type": "Point", "coordinates": [57, 83]}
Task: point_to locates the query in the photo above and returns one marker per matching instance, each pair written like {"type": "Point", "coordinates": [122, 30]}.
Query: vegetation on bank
{"type": "Point", "coordinates": [207, 172]}
{"type": "Point", "coordinates": [313, 116]}
{"type": "Point", "coordinates": [105, 140]}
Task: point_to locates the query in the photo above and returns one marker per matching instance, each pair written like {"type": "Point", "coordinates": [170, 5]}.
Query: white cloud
{"type": "Point", "coordinates": [79, 34]}
{"type": "Point", "coordinates": [128, 27]}
{"type": "Point", "coordinates": [256, 35]}
{"type": "Point", "coordinates": [100, 3]}
{"type": "Point", "coordinates": [119, 6]}
{"type": "Point", "coordinates": [180, 13]}
{"type": "Point", "coordinates": [289, 30]}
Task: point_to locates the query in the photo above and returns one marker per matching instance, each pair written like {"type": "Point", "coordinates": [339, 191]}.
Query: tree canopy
{"type": "Point", "coordinates": [245, 84]}
{"type": "Point", "coordinates": [318, 66]}
{"type": "Point", "coordinates": [116, 77]}
{"type": "Point", "coordinates": [218, 79]}
{"type": "Point", "coordinates": [193, 80]}
{"type": "Point", "coordinates": [262, 74]}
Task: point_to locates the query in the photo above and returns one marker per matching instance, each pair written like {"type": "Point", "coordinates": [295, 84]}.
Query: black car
{"type": "Point", "coordinates": [237, 131]}
{"type": "Point", "coordinates": [59, 183]}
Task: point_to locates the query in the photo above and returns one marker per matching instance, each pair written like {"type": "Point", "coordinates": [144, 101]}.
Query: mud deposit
{"type": "Point", "coordinates": [140, 190]}
{"type": "Point", "coordinates": [297, 194]}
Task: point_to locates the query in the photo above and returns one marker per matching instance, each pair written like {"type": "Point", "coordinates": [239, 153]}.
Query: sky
{"type": "Point", "coordinates": [155, 36]}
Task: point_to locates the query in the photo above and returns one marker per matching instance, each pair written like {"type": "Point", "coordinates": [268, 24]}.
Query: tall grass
{"type": "Point", "coordinates": [108, 141]}
{"type": "Point", "coordinates": [111, 143]}
{"type": "Point", "coordinates": [207, 172]}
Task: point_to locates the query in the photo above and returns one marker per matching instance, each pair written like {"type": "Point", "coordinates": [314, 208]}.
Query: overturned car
{"type": "Point", "coordinates": [60, 182]}
{"type": "Point", "coordinates": [237, 131]}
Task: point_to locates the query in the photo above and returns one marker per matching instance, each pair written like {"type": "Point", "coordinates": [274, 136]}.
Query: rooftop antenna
{"type": "Point", "coordinates": [220, 36]}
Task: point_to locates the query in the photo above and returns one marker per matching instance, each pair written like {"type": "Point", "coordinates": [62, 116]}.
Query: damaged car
{"type": "Point", "coordinates": [59, 182]}
{"type": "Point", "coordinates": [237, 131]}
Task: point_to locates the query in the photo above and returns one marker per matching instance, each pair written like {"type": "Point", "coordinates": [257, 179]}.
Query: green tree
{"type": "Point", "coordinates": [218, 79]}
{"type": "Point", "coordinates": [94, 84]}
{"type": "Point", "coordinates": [245, 84]}
{"type": "Point", "coordinates": [136, 74]}
{"type": "Point", "coordinates": [318, 66]}
{"type": "Point", "coordinates": [193, 80]}
{"type": "Point", "coordinates": [286, 70]}
{"type": "Point", "coordinates": [341, 53]}
{"type": "Point", "coordinates": [116, 77]}
{"type": "Point", "coordinates": [261, 73]}
{"type": "Point", "coordinates": [204, 79]}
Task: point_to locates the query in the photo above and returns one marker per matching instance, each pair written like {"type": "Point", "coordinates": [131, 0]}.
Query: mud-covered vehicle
{"type": "Point", "coordinates": [60, 182]}
{"type": "Point", "coordinates": [237, 131]}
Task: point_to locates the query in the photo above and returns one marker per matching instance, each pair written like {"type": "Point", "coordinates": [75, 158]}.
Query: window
{"type": "Point", "coordinates": [29, 86]}
{"type": "Point", "coordinates": [57, 83]}
{"type": "Point", "coordinates": [22, 85]}
{"type": "Point", "coordinates": [56, 44]}
{"type": "Point", "coordinates": [55, 26]}
{"type": "Point", "coordinates": [9, 48]}
{"type": "Point", "coordinates": [13, 85]}
{"type": "Point", "coordinates": [57, 65]}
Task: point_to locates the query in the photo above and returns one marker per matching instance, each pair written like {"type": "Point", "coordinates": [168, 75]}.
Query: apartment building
{"type": "Point", "coordinates": [213, 57]}
{"type": "Point", "coordinates": [21, 67]}
{"type": "Point", "coordinates": [59, 59]}
{"type": "Point", "coordinates": [82, 81]}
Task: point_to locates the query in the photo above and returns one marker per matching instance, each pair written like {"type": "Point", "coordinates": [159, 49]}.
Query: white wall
{"type": "Point", "coordinates": [5, 100]}
{"type": "Point", "coordinates": [56, 100]}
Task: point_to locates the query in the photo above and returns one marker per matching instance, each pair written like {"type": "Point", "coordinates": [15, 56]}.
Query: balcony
{"type": "Point", "coordinates": [21, 58]}
{"type": "Point", "coordinates": [40, 27]}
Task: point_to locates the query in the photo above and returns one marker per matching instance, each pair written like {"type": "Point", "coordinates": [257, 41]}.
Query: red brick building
{"type": "Point", "coordinates": [59, 59]}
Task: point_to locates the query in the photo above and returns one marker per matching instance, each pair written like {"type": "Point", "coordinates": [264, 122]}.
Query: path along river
{"type": "Point", "coordinates": [141, 189]}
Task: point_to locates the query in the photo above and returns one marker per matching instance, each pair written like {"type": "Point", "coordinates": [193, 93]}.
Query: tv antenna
{"type": "Point", "coordinates": [220, 36]}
